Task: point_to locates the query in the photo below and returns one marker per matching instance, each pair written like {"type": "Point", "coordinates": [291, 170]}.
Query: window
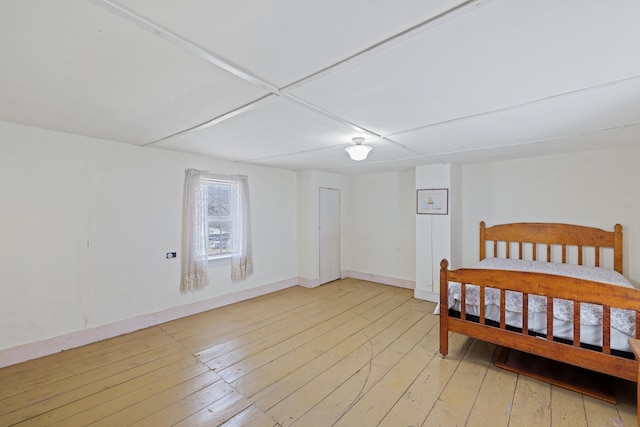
{"type": "Point", "coordinates": [216, 223]}
{"type": "Point", "coordinates": [219, 219]}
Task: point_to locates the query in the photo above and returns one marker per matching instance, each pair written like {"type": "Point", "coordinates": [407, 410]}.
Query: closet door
{"type": "Point", "coordinates": [329, 234]}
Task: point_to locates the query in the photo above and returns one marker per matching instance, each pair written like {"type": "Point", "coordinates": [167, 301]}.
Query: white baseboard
{"type": "Point", "coordinates": [49, 346]}
{"type": "Point", "coordinates": [309, 283]}
{"type": "Point", "coordinates": [426, 295]}
{"type": "Point", "coordinates": [400, 283]}
{"type": "Point", "coordinates": [392, 281]}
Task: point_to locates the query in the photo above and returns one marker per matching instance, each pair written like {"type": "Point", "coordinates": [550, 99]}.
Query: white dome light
{"type": "Point", "coordinates": [358, 151]}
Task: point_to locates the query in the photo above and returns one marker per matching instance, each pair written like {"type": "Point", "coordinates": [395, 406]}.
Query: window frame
{"type": "Point", "coordinates": [223, 257]}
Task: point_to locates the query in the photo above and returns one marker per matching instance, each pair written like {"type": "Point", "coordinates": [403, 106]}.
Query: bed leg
{"type": "Point", "coordinates": [635, 347]}
{"type": "Point", "coordinates": [444, 339]}
{"type": "Point", "coordinates": [444, 332]}
{"type": "Point", "coordinates": [444, 308]}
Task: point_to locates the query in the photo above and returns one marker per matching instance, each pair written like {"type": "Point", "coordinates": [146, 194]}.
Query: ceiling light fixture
{"type": "Point", "coordinates": [358, 151]}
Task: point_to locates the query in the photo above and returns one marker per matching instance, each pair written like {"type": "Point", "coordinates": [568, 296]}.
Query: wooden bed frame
{"type": "Point", "coordinates": [529, 237]}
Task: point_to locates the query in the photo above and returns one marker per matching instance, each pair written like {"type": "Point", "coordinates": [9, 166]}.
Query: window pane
{"type": "Point", "coordinates": [218, 199]}
{"type": "Point", "coordinates": [219, 237]}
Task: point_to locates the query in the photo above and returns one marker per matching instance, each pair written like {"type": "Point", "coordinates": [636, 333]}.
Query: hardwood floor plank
{"type": "Point", "coordinates": [416, 403]}
{"type": "Point", "coordinates": [273, 352]}
{"type": "Point", "coordinates": [281, 367]}
{"type": "Point", "coordinates": [567, 408]}
{"type": "Point", "coordinates": [378, 400]}
{"type": "Point", "coordinates": [345, 381]}
{"type": "Point", "coordinates": [253, 417]}
{"type": "Point", "coordinates": [600, 413]}
{"type": "Point", "coordinates": [276, 302]}
{"type": "Point", "coordinates": [492, 407]}
{"type": "Point", "coordinates": [247, 328]}
{"type": "Point", "coordinates": [183, 371]}
{"type": "Point", "coordinates": [66, 393]}
{"type": "Point", "coordinates": [281, 331]}
{"type": "Point", "coordinates": [217, 395]}
{"type": "Point", "coordinates": [278, 391]}
{"type": "Point", "coordinates": [41, 372]}
{"type": "Point", "coordinates": [456, 400]}
{"type": "Point", "coordinates": [237, 324]}
{"type": "Point", "coordinates": [157, 370]}
{"type": "Point", "coordinates": [218, 412]}
{"type": "Point", "coordinates": [532, 403]}
{"type": "Point", "coordinates": [172, 395]}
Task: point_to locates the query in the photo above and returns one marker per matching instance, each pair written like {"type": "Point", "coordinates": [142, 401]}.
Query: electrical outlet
{"type": "Point", "coordinates": [171, 255]}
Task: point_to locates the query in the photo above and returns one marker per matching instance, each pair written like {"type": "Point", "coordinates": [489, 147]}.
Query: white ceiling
{"type": "Point", "coordinates": [289, 83]}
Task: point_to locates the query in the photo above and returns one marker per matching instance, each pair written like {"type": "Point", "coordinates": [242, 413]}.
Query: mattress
{"type": "Point", "coordinates": [622, 321]}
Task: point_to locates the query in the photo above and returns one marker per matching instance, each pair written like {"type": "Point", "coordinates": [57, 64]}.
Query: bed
{"type": "Point", "coordinates": [542, 285]}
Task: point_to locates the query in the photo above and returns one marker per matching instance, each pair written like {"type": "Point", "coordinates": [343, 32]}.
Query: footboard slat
{"type": "Point", "coordinates": [482, 307]}
{"type": "Point", "coordinates": [576, 324]}
{"type": "Point", "coordinates": [606, 329]}
{"type": "Point", "coordinates": [525, 313]}
{"type": "Point", "coordinates": [503, 314]}
{"type": "Point", "coordinates": [463, 300]}
{"type": "Point", "coordinates": [549, 318]}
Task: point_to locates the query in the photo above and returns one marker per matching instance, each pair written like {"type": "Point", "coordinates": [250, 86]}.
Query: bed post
{"type": "Point", "coordinates": [444, 308]}
{"type": "Point", "coordinates": [483, 245]}
{"type": "Point", "coordinates": [617, 248]}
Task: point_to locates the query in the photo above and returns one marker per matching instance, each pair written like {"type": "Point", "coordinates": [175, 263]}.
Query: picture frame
{"type": "Point", "coordinates": [433, 201]}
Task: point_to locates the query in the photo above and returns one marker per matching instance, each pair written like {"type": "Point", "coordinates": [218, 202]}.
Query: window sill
{"type": "Point", "coordinates": [220, 260]}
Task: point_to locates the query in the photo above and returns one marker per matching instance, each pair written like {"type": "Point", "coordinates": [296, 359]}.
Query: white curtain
{"type": "Point", "coordinates": [242, 260]}
{"type": "Point", "coordinates": [194, 233]}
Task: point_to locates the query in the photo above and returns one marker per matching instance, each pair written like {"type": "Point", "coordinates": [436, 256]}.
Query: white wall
{"type": "Point", "coordinates": [382, 232]}
{"type": "Point", "coordinates": [85, 226]}
{"type": "Point", "coordinates": [595, 188]}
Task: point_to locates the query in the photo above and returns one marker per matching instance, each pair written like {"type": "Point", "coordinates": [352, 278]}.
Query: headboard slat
{"type": "Point", "coordinates": [579, 254]}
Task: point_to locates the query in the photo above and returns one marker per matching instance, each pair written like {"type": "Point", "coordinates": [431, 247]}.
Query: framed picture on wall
{"type": "Point", "coordinates": [434, 201]}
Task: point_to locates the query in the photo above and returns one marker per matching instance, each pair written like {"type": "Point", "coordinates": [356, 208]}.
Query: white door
{"type": "Point", "coordinates": [329, 234]}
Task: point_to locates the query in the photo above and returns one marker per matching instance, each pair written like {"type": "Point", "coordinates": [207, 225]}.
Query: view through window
{"type": "Point", "coordinates": [219, 219]}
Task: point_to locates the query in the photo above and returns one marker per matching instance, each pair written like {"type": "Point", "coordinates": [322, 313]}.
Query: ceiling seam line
{"type": "Point", "coordinates": [537, 141]}
{"type": "Point", "coordinates": [185, 44]}
{"type": "Point", "coordinates": [328, 114]}
{"type": "Point", "coordinates": [511, 107]}
{"type": "Point", "coordinates": [389, 42]}
{"type": "Point", "coordinates": [237, 111]}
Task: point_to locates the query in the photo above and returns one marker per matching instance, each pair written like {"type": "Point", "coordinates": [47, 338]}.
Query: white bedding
{"type": "Point", "coordinates": [622, 321]}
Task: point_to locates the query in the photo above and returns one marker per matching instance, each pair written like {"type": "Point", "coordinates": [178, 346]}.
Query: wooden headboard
{"type": "Point", "coordinates": [549, 234]}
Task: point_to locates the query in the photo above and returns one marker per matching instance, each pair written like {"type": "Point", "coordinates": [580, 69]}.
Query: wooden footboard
{"type": "Point", "coordinates": [549, 286]}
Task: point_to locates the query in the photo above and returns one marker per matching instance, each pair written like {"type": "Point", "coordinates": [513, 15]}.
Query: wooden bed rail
{"type": "Point", "coordinates": [550, 286]}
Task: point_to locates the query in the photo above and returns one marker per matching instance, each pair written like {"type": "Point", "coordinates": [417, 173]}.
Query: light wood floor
{"type": "Point", "coordinates": [348, 353]}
